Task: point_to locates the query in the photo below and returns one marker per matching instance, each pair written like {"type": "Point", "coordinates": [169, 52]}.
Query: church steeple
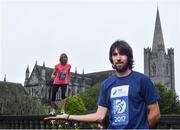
{"type": "Point", "coordinates": [158, 41]}
{"type": "Point", "coordinates": [83, 75]}
{"type": "Point", "coordinates": [27, 70]}
{"type": "Point", "coordinates": [26, 76]}
{"type": "Point", "coordinates": [158, 65]}
{"type": "Point", "coordinates": [5, 78]}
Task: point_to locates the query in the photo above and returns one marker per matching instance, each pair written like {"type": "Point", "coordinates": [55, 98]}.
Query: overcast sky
{"type": "Point", "coordinates": [40, 30]}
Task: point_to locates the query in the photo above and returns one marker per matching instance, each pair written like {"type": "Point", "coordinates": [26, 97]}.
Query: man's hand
{"type": "Point", "coordinates": [153, 115]}
{"type": "Point", "coordinates": [58, 117]}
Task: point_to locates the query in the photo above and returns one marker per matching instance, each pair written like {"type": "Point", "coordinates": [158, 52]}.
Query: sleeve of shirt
{"type": "Point", "coordinates": [102, 100]}
{"type": "Point", "coordinates": [149, 91]}
{"type": "Point", "coordinates": [56, 67]}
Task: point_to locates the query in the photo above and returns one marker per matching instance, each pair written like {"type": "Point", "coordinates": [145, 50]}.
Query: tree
{"type": "Point", "coordinates": [169, 103]}
{"type": "Point", "coordinates": [20, 105]}
{"type": "Point", "coordinates": [90, 97]}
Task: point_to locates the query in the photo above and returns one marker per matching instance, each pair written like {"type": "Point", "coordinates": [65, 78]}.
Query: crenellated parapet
{"type": "Point", "coordinates": [170, 51]}
{"type": "Point", "coordinates": [147, 50]}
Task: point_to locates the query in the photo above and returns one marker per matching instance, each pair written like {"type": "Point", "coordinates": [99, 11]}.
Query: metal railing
{"type": "Point", "coordinates": [169, 122]}
{"type": "Point", "coordinates": [37, 122]}
{"type": "Point", "coordinates": [23, 122]}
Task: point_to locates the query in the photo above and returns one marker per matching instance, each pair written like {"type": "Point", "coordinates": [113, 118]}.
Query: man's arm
{"type": "Point", "coordinates": [153, 114]}
{"type": "Point", "coordinates": [98, 117]}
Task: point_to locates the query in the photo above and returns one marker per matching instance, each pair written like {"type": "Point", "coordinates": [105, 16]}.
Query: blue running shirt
{"type": "Point", "coordinates": [127, 99]}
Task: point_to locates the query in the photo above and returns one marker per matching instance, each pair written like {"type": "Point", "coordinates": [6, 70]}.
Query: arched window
{"type": "Point", "coordinates": [154, 69]}
{"type": "Point", "coordinates": [167, 69]}
{"type": "Point", "coordinates": [32, 92]}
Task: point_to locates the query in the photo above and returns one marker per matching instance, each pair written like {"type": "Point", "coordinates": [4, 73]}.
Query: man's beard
{"type": "Point", "coordinates": [121, 69]}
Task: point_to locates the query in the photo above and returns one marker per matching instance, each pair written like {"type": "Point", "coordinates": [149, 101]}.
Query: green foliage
{"type": "Point", "coordinates": [20, 105]}
{"type": "Point", "coordinates": [169, 103]}
{"type": "Point", "coordinates": [90, 97]}
{"type": "Point", "coordinates": [15, 101]}
{"type": "Point", "coordinates": [74, 105]}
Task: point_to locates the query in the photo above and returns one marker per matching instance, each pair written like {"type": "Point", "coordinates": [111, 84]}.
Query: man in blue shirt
{"type": "Point", "coordinates": [129, 97]}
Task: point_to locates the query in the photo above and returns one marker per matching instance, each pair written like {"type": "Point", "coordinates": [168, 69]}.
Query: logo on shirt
{"type": "Point", "coordinates": [120, 91]}
{"type": "Point", "coordinates": [120, 106]}
{"type": "Point", "coordinates": [62, 75]}
{"type": "Point", "coordinates": [119, 100]}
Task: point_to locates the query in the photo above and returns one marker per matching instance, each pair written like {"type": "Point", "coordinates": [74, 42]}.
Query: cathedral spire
{"type": "Point", "coordinates": [43, 64]}
{"type": "Point", "coordinates": [36, 63]}
{"type": "Point", "coordinates": [83, 75]}
{"type": "Point", "coordinates": [26, 76]}
{"type": "Point", "coordinates": [75, 74]}
{"type": "Point", "coordinates": [27, 70]}
{"type": "Point", "coordinates": [5, 78]}
{"type": "Point", "coordinates": [158, 41]}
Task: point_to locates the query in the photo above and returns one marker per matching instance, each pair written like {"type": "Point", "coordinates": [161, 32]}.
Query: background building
{"type": "Point", "coordinates": [38, 83]}
{"type": "Point", "coordinates": [158, 64]}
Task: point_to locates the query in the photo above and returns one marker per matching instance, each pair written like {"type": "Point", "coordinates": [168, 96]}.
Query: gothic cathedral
{"type": "Point", "coordinates": [158, 64]}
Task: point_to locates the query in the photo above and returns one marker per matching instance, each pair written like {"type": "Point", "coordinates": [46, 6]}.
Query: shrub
{"type": "Point", "coordinates": [74, 105]}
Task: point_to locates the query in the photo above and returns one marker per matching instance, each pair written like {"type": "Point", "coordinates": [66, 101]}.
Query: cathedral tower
{"type": "Point", "coordinates": [26, 76]}
{"type": "Point", "coordinates": [158, 64]}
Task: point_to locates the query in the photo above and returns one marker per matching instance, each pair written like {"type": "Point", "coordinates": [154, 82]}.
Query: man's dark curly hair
{"type": "Point", "coordinates": [124, 49]}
